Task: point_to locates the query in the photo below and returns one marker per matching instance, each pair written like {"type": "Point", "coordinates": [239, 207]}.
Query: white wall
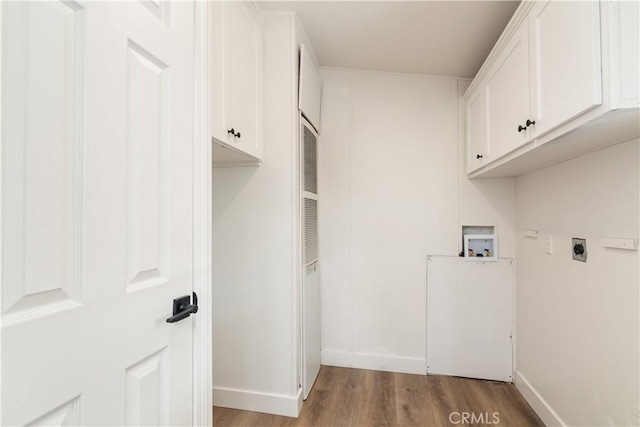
{"type": "Point", "coordinates": [577, 323]}
{"type": "Point", "coordinates": [255, 349]}
{"type": "Point", "coordinates": [389, 186]}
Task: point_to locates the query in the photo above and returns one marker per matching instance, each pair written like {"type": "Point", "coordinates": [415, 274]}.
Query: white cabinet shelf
{"type": "Point", "coordinates": [561, 81]}
{"type": "Point", "coordinates": [236, 84]}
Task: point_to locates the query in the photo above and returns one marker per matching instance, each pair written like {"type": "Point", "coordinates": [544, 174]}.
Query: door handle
{"type": "Point", "coordinates": [182, 308]}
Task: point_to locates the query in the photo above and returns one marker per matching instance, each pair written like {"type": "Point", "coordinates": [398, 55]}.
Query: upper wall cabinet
{"type": "Point", "coordinates": [236, 83]}
{"type": "Point", "coordinates": [566, 78]}
{"type": "Point", "coordinates": [561, 81]}
{"type": "Point", "coordinates": [507, 89]}
{"type": "Point", "coordinates": [477, 136]}
{"type": "Point", "coordinates": [497, 114]}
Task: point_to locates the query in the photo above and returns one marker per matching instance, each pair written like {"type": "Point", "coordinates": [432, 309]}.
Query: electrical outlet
{"type": "Point", "coordinates": [579, 249]}
{"type": "Point", "coordinates": [548, 244]}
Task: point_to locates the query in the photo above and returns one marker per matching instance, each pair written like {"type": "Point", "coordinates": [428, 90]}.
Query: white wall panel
{"type": "Point", "coordinates": [403, 206]}
{"type": "Point", "coordinates": [388, 178]}
{"type": "Point", "coordinates": [577, 323]}
{"type": "Point", "coordinates": [394, 190]}
{"type": "Point", "coordinates": [333, 212]}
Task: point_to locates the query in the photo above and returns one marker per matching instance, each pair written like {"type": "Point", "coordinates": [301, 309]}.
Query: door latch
{"type": "Point", "coordinates": [182, 308]}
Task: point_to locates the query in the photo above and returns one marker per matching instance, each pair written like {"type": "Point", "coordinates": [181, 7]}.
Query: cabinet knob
{"type": "Point", "coordinates": [238, 135]}
{"type": "Point", "coordinates": [521, 128]}
{"type": "Point", "coordinates": [530, 122]}
{"type": "Point", "coordinates": [232, 132]}
{"type": "Point", "coordinates": [478, 156]}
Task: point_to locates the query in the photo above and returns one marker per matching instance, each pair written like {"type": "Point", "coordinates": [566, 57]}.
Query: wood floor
{"type": "Point", "coordinates": [355, 397]}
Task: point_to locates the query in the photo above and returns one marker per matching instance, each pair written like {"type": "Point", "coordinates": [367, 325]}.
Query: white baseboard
{"type": "Point", "coordinates": [374, 362]}
{"type": "Point", "coordinates": [546, 413]}
{"type": "Point", "coordinates": [288, 406]}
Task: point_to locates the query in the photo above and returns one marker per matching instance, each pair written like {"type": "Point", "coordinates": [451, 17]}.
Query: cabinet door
{"type": "Point", "coordinates": [508, 96]}
{"type": "Point", "coordinates": [477, 130]}
{"type": "Point", "coordinates": [218, 120]}
{"type": "Point", "coordinates": [243, 77]}
{"type": "Point", "coordinates": [566, 64]}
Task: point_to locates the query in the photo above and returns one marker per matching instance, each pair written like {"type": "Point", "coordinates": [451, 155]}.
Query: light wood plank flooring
{"type": "Point", "coordinates": [356, 397]}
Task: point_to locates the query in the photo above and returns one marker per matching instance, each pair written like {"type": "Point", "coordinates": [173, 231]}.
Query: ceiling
{"type": "Point", "coordinates": [446, 38]}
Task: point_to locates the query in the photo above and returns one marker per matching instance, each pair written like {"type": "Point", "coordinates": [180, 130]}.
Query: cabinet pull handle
{"type": "Point", "coordinates": [521, 128]}
{"type": "Point", "coordinates": [530, 122]}
{"type": "Point", "coordinates": [478, 156]}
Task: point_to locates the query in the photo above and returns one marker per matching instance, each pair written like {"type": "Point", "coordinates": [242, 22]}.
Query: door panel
{"type": "Point", "coordinates": [477, 130]}
{"type": "Point", "coordinates": [310, 286]}
{"type": "Point", "coordinates": [97, 141]}
{"type": "Point", "coordinates": [565, 37]}
{"type": "Point", "coordinates": [147, 391]}
{"type": "Point", "coordinates": [508, 96]}
{"type": "Point", "coordinates": [147, 152]}
{"type": "Point", "coordinates": [243, 73]}
{"type": "Point", "coordinates": [470, 318]}
{"type": "Point", "coordinates": [42, 162]}
{"type": "Point", "coordinates": [67, 414]}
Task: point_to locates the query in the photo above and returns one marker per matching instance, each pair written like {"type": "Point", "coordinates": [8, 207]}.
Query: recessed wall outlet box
{"type": "Point", "coordinates": [531, 233]}
{"type": "Point", "coordinates": [481, 247]}
{"type": "Point", "coordinates": [618, 243]}
{"type": "Point", "coordinates": [548, 244]}
{"type": "Point", "coordinates": [488, 232]}
{"type": "Point", "coordinates": [579, 249]}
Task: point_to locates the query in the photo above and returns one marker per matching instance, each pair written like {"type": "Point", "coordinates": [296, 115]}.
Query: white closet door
{"type": "Point", "coordinates": [470, 318]}
{"type": "Point", "coordinates": [97, 119]}
{"type": "Point", "coordinates": [310, 288]}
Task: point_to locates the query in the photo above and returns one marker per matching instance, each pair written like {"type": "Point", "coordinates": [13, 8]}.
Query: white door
{"type": "Point", "coordinates": [566, 76]}
{"type": "Point", "coordinates": [470, 318]}
{"type": "Point", "coordinates": [97, 119]}
{"type": "Point", "coordinates": [508, 96]}
{"type": "Point", "coordinates": [310, 293]}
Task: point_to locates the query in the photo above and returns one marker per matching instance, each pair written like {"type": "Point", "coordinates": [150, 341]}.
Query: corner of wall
{"type": "Point", "coordinates": [536, 401]}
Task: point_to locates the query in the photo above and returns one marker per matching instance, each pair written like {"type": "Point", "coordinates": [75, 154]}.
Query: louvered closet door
{"type": "Point", "coordinates": [310, 271]}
